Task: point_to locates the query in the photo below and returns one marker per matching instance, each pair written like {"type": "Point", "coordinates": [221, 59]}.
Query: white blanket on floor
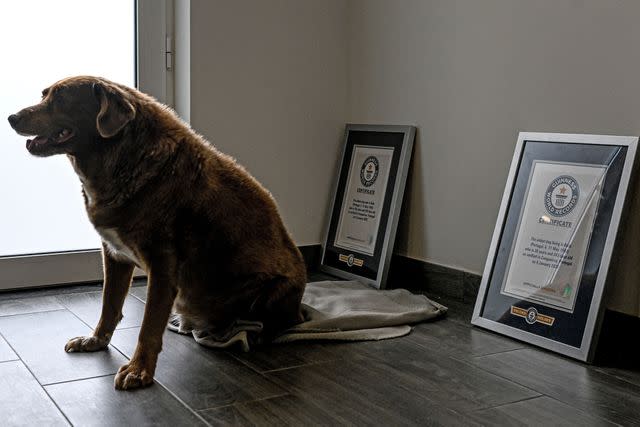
{"type": "Point", "coordinates": [334, 310]}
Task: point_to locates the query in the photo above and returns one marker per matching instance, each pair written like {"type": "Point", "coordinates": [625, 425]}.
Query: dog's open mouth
{"type": "Point", "coordinates": [40, 141]}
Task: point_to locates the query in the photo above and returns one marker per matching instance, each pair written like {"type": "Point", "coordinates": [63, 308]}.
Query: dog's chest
{"type": "Point", "coordinates": [116, 247]}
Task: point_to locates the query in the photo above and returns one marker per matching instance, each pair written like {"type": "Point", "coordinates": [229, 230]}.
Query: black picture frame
{"type": "Point", "coordinates": [521, 293]}
{"type": "Point", "coordinates": [366, 203]}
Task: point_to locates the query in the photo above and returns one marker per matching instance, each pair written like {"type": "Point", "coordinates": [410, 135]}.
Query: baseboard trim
{"type": "Point", "coordinates": [311, 255]}
{"type": "Point", "coordinates": [411, 273]}
{"type": "Point", "coordinates": [617, 345]}
{"type": "Point", "coordinates": [417, 275]}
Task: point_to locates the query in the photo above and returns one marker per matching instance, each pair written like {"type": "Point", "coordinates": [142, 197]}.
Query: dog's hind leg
{"type": "Point", "coordinates": [117, 279]}
{"type": "Point", "coordinates": [279, 307]}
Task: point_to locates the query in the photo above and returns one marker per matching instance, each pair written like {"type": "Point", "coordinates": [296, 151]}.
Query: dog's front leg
{"type": "Point", "coordinates": [161, 292]}
{"type": "Point", "coordinates": [117, 279]}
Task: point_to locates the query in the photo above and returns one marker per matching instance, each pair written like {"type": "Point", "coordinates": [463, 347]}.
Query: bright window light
{"type": "Point", "coordinates": [41, 207]}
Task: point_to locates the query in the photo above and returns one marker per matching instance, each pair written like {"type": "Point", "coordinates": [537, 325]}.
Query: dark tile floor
{"type": "Point", "coordinates": [443, 373]}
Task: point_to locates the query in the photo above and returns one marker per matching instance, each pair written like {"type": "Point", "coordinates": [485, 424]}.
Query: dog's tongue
{"type": "Point", "coordinates": [35, 142]}
{"type": "Point", "coordinates": [40, 140]}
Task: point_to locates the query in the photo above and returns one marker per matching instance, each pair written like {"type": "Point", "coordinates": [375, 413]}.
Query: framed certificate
{"type": "Point", "coordinates": [366, 203]}
{"type": "Point", "coordinates": [549, 258]}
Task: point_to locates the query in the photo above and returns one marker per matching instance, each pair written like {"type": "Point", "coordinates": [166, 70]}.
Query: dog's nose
{"type": "Point", "coordinates": [13, 119]}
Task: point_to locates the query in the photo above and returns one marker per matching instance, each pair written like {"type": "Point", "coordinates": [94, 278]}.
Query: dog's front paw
{"type": "Point", "coordinates": [131, 376]}
{"type": "Point", "coordinates": [79, 344]}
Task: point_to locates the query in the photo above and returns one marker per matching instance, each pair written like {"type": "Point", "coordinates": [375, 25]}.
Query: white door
{"type": "Point", "coordinates": [45, 236]}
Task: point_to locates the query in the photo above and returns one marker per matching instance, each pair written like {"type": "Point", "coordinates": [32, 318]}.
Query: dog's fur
{"type": "Point", "coordinates": [206, 232]}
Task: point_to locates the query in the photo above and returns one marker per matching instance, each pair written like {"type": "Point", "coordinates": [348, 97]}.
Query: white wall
{"type": "Point", "coordinates": [273, 82]}
{"type": "Point", "coordinates": [269, 87]}
{"type": "Point", "coordinates": [471, 74]}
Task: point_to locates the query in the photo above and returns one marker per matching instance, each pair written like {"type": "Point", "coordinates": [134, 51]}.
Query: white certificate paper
{"type": "Point", "coordinates": [547, 258]}
{"type": "Point", "coordinates": [363, 198]}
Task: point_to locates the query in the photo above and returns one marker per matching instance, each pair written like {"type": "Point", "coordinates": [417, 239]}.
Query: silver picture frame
{"type": "Point", "coordinates": [592, 315]}
{"type": "Point", "coordinates": [374, 268]}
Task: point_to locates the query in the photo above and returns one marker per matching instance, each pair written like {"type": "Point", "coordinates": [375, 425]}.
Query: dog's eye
{"type": "Point", "coordinates": [45, 92]}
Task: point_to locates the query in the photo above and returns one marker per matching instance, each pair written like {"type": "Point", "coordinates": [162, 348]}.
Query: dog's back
{"type": "Point", "coordinates": [234, 255]}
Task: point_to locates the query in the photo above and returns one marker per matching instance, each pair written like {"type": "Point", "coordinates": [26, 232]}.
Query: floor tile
{"type": "Point", "coordinates": [49, 291]}
{"type": "Point", "coordinates": [416, 346]}
{"type": "Point", "coordinates": [139, 292]}
{"type": "Point", "coordinates": [95, 402]}
{"type": "Point", "coordinates": [570, 382]}
{"type": "Point", "coordinates": [289, 355]}
{"type": "Point", "coordinates": [29, 305]}
{"type": "Point", "coordinates": [22, 401]}
{"type": "Point", "coordinates": [88, 306]}
{"type": "Point", "coordinates": [399, 390]}
{"type": "Point", "coordinates": [444, 373]}
{"type": "Point", "coordinates": [463, 341]}
{"type": "Point", "coordinates": [540, 411]}
{"type": "Point", "coordinates": [442, 336]}
{"type": "Point", "coordinates": [458, 311]}
{"type": "Point", "coordinates": [5, 351]}
{"type": "Point", "coordinates": [201, 377]}
{"type": "Point", "coordinates": [291, 410]}
{"type": "Point", "coordinates": [626, 374]}
{"type": "Point", "coordinates": [39, 340]}
{"type": "Point", "coordinates": [296, 354]}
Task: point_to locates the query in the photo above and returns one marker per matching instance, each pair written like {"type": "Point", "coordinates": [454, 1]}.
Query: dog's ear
{"type": "Point", "coordinates": [115, 111]}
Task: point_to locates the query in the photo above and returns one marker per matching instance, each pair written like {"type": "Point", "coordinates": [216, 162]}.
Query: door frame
{"type": "Point", "coordinates": [154, 75]}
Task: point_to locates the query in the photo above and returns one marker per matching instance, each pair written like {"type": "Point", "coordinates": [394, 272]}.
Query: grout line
{"type": "Point", "coordinates": [246, 364]}
{"type": "Point", "coordinates": [120, 351]}
{"type": "Point", "coordinates": [138, 298]}
{"type": "Point", "coordinates": [71, 311]}
{"type": "Point", "coordinates": [303, 365]}
{"type": "Point", "coordinates": [469, 363]}
{"type": "Point", "coordinates": [556, 398]}
{"type": "Point", "coordinates": [128, 327]}
{"type": "Point", "coordinates": [416, 340]}
{"type": "Point", "coordinates": [154, 379]}
{"type": "Point", "coordinates": [80, 319]}
{"type": "Point", "coordinates": [92, 329]}
{"type": "Point", "coordinates": [583, 412]}
{"type": "Point", "coordinates": [76, 380]}
{"type": "Point", "coordinates": [31, 293]}
{"type": "Point", "coordinates": [182, 402]}
{"type": "Point", "coordinates": [42, 386]}
{"type": "Point", "coordinates": [510, 403]}
{"type": "Point", "coordinates": [498, 352]}
{"type": "Point", "coordinates": [171, 393]}
{"type": "Point", "coordinates": [604, 370]}
{"type": "Point", "coordinates": [257, 370]}
{"type": "Point", "coordinates": [36, 379]}
{"type": "Point", "coordinates": [2, 316]}
{"type": "Point", "coordinates": [235, 405]}
{"type": "Point", "coordinates": [11, 360]}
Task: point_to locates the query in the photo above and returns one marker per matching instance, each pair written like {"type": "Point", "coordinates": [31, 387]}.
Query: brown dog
{"type": "Point", "coordinates": [206, 232]}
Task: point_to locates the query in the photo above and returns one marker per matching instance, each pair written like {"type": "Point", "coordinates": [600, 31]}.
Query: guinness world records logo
{"type": "Point", "coordinates": [561, 195]}
{"type": "Point", "coordinates": [369, 171]}
{"type": "Point", "coordinates": [532, 316]}
{"type": "Point", "coordinates": [350, 260]}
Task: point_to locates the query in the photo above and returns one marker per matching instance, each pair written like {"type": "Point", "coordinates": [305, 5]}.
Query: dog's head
{"type": "Point", "coordinates": [73, 114]}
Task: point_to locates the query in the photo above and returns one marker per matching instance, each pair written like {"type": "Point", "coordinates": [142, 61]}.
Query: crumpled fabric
{"type": "Point", "coordinates": [333, 310]}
